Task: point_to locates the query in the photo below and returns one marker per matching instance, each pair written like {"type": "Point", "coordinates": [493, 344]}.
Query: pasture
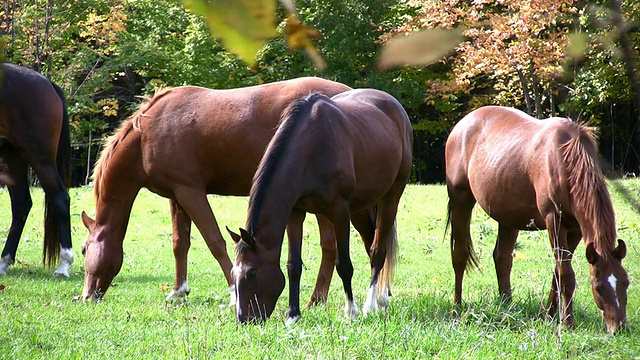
{"type": "Point", "coordinates": [41, 316]}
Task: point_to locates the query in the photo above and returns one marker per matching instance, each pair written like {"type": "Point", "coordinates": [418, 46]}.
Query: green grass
{"type": "Point", "coordinates": [40, 318]}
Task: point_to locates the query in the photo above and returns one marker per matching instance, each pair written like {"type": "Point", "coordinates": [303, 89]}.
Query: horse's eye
{"type": "Point", "coordinates": [84, 249]}
{"type": "Point", "coordinates": [599, 288]}
{"type": "Point", "coordinates": [251, 274]}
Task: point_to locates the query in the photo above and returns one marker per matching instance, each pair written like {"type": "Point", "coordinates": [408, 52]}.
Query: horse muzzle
{"type": "Point", "coordinates": [94, 288]}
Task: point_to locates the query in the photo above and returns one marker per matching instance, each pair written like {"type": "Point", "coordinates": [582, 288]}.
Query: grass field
{"type": "Point", "coordinates": [40, 318]}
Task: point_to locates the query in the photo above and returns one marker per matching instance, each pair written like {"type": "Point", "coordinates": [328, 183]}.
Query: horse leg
{"type": "Point", "coordinates": [503, 259]}
{"type": "Point", "coordinates": [383, 253]}
{"type": "Point", "coordinates": [554, 236]}
{"type": "Point", "coordinates": [460, 209]}
{"type": "Point", "coordinates": [57, 229]}
{"type": "Point", "coordinates": [181, 224]}
{"type": "Point", "coordinates": [294, 263]}
{"type": "Point", "coordinates": [20, 206]}
{"type": "Point", "coordinates": [194, 201]}
{"type": "Point", "coordinates": [344, 266]}
{"type": "Point", "coordinates": [327, 264]}
{"type": "Point", "coordinates": [364, 222]}
{"type": "Point", "coordinates": [564, 280]}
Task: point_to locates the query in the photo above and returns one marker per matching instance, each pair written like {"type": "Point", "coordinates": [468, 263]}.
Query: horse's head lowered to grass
{"type": "Point", "coordinates": [102, 261]}
{"type": "Point", "coordinates": [256, 271]}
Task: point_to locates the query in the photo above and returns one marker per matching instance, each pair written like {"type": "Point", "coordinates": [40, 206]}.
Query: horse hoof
{"type": "Point", "coordinates": [351, 310]}
{"type": "Point", "coordinates": [173, 296]}
{"type": "Point", "coordinates": [61, 274]}
{"type": "Point", "coordinates": [5, 262]}
{"type": "Point", "coordinates": [291, 320]}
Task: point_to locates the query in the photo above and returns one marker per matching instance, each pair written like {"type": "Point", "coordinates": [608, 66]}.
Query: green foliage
{"type": "Point", "coordinates": [105, 54]}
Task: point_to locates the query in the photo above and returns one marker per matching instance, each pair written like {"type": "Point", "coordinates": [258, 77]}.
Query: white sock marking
{"type": "Point", "coordinates": [66, 259]}
{"type": "Point", "coordinates": [180, 293]}
{"type": "Point", "coordinates": [5, 263]}
{"type": "Point", "coordinates": [370, 305]}
{"type": "Point", "coordinates": [351, 310]}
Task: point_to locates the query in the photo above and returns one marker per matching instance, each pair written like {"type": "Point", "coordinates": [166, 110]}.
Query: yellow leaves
{"type": "Point", "coordinates": [243, 26]}
{"type": "Point", "coordinates": [109, 106]}
{"type": "Point", "coordinates": [104, 28]}
{"type": "Point", "coordinates": [419, 48]}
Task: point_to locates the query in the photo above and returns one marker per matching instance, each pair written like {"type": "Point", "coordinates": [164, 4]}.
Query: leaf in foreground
{"type": "Point", "coordinates": [243, 26]}
{"type": "Point", "coordinates": [578, 45]}
{"type": "Point", "coordinates": [299, 36]}
{"type": "Point", "coordinates": [419, 48]}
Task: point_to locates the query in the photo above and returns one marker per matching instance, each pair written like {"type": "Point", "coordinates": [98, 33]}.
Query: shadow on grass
{"type": "Point", "coordinates": [39, 271]}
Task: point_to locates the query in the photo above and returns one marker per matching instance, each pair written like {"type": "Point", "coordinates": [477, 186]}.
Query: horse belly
{"type": "Point", "coordinates": [514, 208]}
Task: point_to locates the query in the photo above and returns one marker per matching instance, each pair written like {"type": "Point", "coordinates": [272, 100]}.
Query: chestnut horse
{"type": "Point", "coordinates": [348, 158]}
{"type": "Point", "coordinates": [530, 174]}
{"type": "Point", "coordinates": [183, 144]}
{"type": "Point", "coordinates": [34, 131]}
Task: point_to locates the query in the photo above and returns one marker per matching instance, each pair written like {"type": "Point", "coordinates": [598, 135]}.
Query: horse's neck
{"type": "Point", "coordinates": [113, 211]}
{"type": "Point", "coordinates": [272, 204]}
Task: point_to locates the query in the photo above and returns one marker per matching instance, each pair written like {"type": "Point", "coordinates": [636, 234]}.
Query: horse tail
{"type": "Point", "coordinates": [472, 260]}
{"type": "Point", "coordinates": [390, 260]}
{"type": "Point", "coordinates": [63, 160]}
{"type": "Point", "coordinates": [51, 248]}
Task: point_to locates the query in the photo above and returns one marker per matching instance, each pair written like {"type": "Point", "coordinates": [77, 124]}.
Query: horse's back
{"type": "Point", "coordinates": [217, 136]}
{"type": "Point", "coordinates": [509, 162]}
{"type": "Point", "coordinates": [372, 127]}
{"type": "Point", "coordinates": [31, 110]}
{"type": "Point", "coordinates": [374, 107]}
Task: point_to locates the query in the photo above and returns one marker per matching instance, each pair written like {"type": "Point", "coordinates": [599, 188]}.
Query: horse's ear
{"type": "Point", "coordinates": [248, 238]}
{"type": "Point", "coordinates": [234, 236]}
{"type": "Point", "coordinates": [621, 251]}
{"type": "Point", "coordinates": [88, 222]}
{"type": "Point", "coordinates": [592, 255]}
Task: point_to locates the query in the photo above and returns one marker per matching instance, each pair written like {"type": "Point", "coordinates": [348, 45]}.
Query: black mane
{"type": "Point", "coordinates": [294, 114]}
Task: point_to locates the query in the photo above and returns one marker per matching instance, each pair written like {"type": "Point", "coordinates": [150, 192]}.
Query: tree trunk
{"type": "Point", "coordinates": [525, 89]}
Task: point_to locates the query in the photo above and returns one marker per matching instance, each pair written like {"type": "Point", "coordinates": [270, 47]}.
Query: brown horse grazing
{"type": "Point", "coordinates": [34, 131]}
{"type": "Point", "coordinates": [183, 144]}
{"type": "Point", "coordinates": [531, 174]}
{"type": "Point", "coordinates": [340, 157]}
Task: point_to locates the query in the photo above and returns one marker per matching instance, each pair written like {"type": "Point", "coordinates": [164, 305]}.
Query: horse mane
{"type": "Point", "coordinates": [290, 118]}
{"type": "Point", "coordinates": [588, 189]}
{"type": "Point", "coordinates": [125, 128]}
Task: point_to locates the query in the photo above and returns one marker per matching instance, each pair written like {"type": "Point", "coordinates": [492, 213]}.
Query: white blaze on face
{"type": "Point", "coordinates": [235, 274]}
{"type": "Point", "coordinates": [613, 281]}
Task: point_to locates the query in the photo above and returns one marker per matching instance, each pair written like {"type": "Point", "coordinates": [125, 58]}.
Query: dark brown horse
{"type": "Point", "coordinates": [34, 131]}
{"type": "Point", "coordinates": [531, 174]}
{"type": "Point", "coordinates": [340, 157]}
{"type": "Point", "coordinates": [183, 144]}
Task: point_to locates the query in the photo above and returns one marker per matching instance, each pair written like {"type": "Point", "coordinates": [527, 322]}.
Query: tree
{"type": "Point", "coordinates": [513, 53]}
